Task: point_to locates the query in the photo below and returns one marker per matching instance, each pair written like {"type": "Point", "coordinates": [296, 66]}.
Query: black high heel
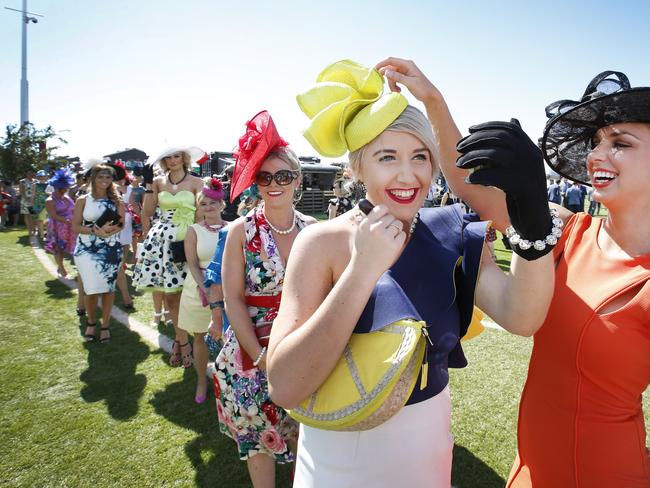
{"type": "Point", "coordinates": [90, 337]}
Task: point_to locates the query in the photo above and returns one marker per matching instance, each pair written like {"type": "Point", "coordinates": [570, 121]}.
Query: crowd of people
{"type": "Point", "coordinates": [292, 303]}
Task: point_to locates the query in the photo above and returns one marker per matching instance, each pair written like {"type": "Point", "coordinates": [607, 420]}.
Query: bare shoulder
{"type": "Point", "coordinates": [328, 237]}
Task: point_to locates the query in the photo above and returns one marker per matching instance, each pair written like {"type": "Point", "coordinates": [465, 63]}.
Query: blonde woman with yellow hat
{"type": "Point", "coordinates": [361, 273]}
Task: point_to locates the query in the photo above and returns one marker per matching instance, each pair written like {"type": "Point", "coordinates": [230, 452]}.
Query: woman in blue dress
{"type": "Point", "coordinates": [98, 251]}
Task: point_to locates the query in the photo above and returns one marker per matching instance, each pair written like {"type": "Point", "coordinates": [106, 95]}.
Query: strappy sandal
{"type": "Point", "coordinates": [175, 359]}
{"type": "Point", "coordinates": [104, 340]}
{"type": "Point", "coordinates": [87, 336]}
{"type": "Point", "coordinates": [186, 359]}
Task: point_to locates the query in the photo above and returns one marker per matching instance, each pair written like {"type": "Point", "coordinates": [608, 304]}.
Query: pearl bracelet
{"type": "Point", "coordinates": [516, 240]}
{"type": "Point", "coordinates": [259, 357]}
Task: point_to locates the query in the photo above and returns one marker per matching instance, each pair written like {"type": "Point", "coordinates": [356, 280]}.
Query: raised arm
{"type": "Point", "coordinates": [488, 202]}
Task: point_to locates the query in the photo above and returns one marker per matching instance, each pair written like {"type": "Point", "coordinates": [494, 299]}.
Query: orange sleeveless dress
{"type": "Point", "coordinates": [580, 417]}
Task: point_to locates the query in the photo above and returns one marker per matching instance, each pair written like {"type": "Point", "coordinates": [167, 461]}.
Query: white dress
{"type": "Point", "coordinates": [413, 449]}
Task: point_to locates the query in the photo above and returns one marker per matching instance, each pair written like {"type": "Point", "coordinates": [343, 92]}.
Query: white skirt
{"type": "Point", "coordinates": [413, 449]}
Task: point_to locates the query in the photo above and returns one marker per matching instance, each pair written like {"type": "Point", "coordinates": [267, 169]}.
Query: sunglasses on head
{"type": "Point", "coordinates": [283, 177]}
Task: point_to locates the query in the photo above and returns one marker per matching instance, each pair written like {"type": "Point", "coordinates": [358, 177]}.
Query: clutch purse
{"type": "Point", "coordinates": [177, 249]}
{"type": "Point", "coordinates": [372, 380]}
{"type": "Point", "coordinates": [109, 215]}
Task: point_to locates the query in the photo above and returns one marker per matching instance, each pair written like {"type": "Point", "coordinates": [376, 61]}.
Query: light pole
{"type": "Point", "coordinates": [24, 84]}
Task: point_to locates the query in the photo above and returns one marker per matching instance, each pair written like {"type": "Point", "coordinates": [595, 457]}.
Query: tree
{"type": "Point", "coordinates": [27, 148]}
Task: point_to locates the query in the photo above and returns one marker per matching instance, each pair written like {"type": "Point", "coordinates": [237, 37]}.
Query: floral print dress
{"type": "Point", "coordinates": [60, 236]}
{"type": "Point", "coordinates": [245, 411]}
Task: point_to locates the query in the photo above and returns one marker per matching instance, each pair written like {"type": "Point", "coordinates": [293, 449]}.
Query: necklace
{"type": "Point", "coordinates": [211, 228]}
{"type": "Point", "coordinates": [175, 185]}
{"type": "Point", "coordinates": [414, 223]}
{"type": "Point", "coordinates": [279, 231]}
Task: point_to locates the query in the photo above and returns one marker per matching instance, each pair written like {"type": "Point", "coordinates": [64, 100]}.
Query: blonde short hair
{"type": "Point", "coordinates": [410, 121]}
{"type": "Point", "coordinates": [187, 161]}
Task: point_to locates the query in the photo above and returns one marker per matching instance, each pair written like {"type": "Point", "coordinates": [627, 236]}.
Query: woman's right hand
{"type": "Point", "coordinates": [405, 72]}
{"type": "Point", "coordinates": [378, 241]}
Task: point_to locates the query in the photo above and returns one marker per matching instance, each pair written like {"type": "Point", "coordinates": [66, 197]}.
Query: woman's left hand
{"type": "Point", "coordinates": [405, 72]}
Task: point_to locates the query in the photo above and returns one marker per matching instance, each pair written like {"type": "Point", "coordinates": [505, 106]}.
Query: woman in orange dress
{"type": "Point", "coordinates": [580, 417]}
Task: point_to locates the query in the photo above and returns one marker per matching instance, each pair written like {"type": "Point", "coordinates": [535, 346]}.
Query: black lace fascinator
{"type": "Point", "coordinates": [608, 99]}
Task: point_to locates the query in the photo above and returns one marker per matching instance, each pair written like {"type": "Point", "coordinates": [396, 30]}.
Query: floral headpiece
{"type": "Point", "coordinates": [347, 108]}
{"type": "Point", "coordinates": [254, 146]}
{"type": "Point", "coordinates": [213, 189]}
{"type": "Point", "coordinates": [62, 178]}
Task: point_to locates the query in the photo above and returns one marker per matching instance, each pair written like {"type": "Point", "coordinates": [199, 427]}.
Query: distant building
{"type": "Point", "coordinates": [128, 155]}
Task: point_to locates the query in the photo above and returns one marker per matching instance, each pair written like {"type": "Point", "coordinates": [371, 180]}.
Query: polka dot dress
{"type": "Point", "coordinates": [155, 269]}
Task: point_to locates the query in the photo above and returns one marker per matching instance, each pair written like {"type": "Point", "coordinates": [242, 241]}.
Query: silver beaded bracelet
{"type": "Point", "coordinates": [556, 232]}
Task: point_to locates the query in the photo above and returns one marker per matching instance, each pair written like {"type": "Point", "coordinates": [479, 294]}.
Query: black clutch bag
{"type": "Point", "coordinates": [177, 250]}
{"type": "Point", "coordinates": [109, 215]}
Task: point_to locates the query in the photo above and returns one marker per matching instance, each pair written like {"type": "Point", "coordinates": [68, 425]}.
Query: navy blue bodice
{"type": "Point", "coordinates": [433, 280]}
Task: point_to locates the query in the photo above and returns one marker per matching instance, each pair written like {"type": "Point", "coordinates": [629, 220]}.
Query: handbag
{"type": "Point", "coordinates": [109, 215]}
{"type": "Point", "coordinates": [374, 377]}
{"type": "Point", "coordinates": [177, 249]}
{"type": "Point", "coordinates": [372, 380]}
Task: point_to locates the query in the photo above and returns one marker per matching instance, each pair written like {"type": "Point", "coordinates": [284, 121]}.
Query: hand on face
{"type": "Point", "coordinates": [378, 241]}
{"type": "Point", "coordinates": [405, 72]}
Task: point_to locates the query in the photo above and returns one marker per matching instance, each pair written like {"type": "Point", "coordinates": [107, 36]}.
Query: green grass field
{"type": "Point", "coordinates": [105, 415]}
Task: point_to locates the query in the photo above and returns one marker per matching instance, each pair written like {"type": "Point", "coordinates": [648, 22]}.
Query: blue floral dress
{"type": "Point", "coordinates": [97, 258]}
{"type": "Point", "coordinates": [245, 411]}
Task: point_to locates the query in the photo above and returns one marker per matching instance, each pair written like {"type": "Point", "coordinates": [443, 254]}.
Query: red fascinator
{"type": "Point", "coordinates": [260, 139]}
{"type": "Point", "coordinates": [213, 189]}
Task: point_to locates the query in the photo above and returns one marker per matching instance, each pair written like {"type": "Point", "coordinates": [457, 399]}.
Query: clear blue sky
{"type": "Point", "coordinates": [118, 73]}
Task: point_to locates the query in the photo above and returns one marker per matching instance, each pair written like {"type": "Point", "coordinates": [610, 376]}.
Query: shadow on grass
{"type": "Point", "coordinates": [56, 289]}
{"type": "Point", "coordinates": [23, 240]}
{"type": "Point", "coordinates": [111, 372]}
{"type": "Point", "coordinates": [468, 470]}
{"type": "Point", "coordinates": [212, 454]}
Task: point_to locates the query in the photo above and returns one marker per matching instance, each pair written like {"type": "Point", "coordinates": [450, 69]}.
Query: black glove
{"type": "Point", "coordinates": [147, 174]}
{"type": "Point", "coordinates": [502, 155]}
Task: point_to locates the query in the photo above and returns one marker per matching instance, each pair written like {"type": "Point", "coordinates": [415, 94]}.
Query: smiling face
{"type": "Point", "coordinates": [397, 169]}
{"type": "Point", "coordinates": [276, 195]}
{"type": "Point", "coordinates": [208, 208]}
{"type": "Point", "coordinates": [619, 164]}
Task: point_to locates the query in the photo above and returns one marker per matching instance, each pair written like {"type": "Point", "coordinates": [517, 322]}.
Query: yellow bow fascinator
{"type": "Point", "coordinates": [347, 108]}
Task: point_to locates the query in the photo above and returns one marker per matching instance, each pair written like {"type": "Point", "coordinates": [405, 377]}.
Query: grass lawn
{"type": "Point", "coordinates": [104, 415]}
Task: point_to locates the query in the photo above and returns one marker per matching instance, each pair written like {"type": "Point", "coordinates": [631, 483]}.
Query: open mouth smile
{"type": "Point", "coordinates": [601, 178]}
{"type": "Point", "coordinates": [402, 195]}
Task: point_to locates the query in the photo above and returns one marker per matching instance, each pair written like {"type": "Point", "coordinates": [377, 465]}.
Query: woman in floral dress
{"type": "Point", "coordinates": [60, 207]}
{"type": "Point", "coordinates": [257, 249]}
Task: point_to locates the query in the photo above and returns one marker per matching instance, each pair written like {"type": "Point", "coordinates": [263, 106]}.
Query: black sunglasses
{"type": "Point", "coordinates": [283, 177]}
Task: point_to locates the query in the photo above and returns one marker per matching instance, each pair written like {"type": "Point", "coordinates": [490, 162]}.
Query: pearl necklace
{"type": "Point", "coordinates": [279, 231]}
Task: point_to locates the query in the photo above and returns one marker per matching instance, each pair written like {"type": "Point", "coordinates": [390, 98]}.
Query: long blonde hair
{"type": "Point", "coordinates": [111, 191]}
